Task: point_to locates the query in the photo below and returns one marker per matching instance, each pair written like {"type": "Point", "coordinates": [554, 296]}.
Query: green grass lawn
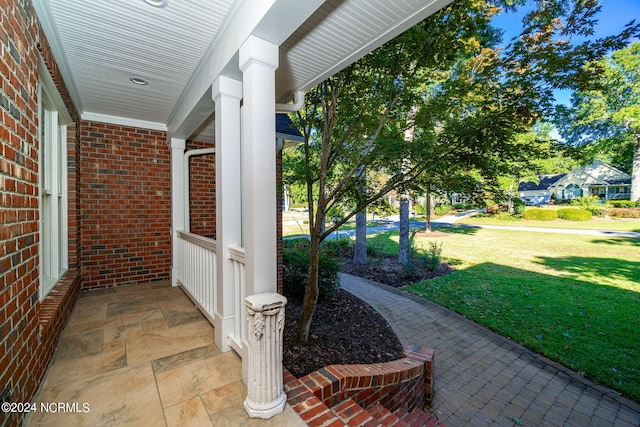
{"type": "Point", "coordinates": [573, 298]}
{"type": "Point", "coordinates": [596, 224]}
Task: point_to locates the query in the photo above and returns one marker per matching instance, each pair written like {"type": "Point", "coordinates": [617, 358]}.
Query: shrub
{"type": "Point", "coordinates": [497, 209]}
{"type": "Point", "coordinates": [572, 214]}
{"type": "Point", "coordinates": [518, 206]}
{"type": "Point", "coordinates": [295, 256]}
{"type": "Point", "coordinates": [373, 249]}
{"type": "Point", "coordinates": [337, 247]}
{"type": "Point", "coordinates": [622, 203]}
{"type": "Point", "coordinates": [624, 213]}
{"type": "Point", "coordinates": [442, 209]}
{"type": "Point", "coordinates": [420, 209]}
{"type": "Point", "coordinates": [540, 214]}
{"type": "Point", "coordinates": [433, 257]}
{"type": "Point", "coordinates": [506, 216]}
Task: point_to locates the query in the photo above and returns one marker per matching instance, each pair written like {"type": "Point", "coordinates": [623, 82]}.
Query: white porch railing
{"type": "Point", "coordinates": [238, 339]}
{"type": "Point", "coordinates": [196, 264]}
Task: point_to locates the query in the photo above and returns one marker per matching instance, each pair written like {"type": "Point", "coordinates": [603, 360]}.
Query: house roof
{"type": "Point", "coordinates": [545, 182]}
{"type": "Point", "coordinates": [179, 50]}
{"type": "Point", "coordinates": [597, 173]}
{"type": "Point", "coordinates": [285, 126]}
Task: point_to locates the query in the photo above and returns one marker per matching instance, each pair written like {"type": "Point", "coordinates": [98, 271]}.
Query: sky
{"type": "Point", "coordinates": [615, 14]}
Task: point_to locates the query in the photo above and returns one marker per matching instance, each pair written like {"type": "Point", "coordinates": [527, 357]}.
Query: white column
{"type": "Point", "coordinates": [177, 201]}
{"type": "Point", "coordinates": [258, 62]}
{"type": "Point", "coordinates": [226, 95]}
{"type": "Point", "coordinates": [265, 325]}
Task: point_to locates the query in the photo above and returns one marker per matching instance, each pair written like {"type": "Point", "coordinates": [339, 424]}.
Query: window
{"type": "Point", "coordinates": [53, 187]}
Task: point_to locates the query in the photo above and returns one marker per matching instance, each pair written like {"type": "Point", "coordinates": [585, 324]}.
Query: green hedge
{"type": "Point", "coordinates": [295, 257]}
{"type": "Point", "coordinates": [540, 214]}
{"type": "Point", "coordinates": [442, 209]}
{"type": "Point", "coordinates": [570, 214]}
{"type": "Point", "coordinates": [623, 203]}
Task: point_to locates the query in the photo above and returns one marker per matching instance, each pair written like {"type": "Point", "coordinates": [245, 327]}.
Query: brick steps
{"type": "Point", "coordinates": [353, 414]}
{"type": "Point", "coordinates": [385, 417]}
{"type": "Point", "coordinates": [416, 418]}
{"type": "Point", "coordinates": [347, 412]}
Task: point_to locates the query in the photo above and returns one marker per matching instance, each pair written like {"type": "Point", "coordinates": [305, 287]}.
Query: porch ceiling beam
{"type": "Point", "coordinates": [250, 17]}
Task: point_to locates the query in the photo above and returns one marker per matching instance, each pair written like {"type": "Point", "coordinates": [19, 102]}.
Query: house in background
{"type": "Point", "coordinates": [103, 104]}
{"type": "Point", "coordinates": [596, 179]}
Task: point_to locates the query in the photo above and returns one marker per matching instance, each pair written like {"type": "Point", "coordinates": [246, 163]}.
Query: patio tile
{"type": "Point", "coordinates": [80, 345]}
{"type": "Point", "coordinates": [187, 414]}
{"type": "Point", "coordinates": [78, 328]}
{"type": "Point", "coordinates": [127, 398]}
{"type": "Point", "coordinates": [176, 360]}
{"type": "Point", "coordinates": [185, 382]}
{"type": "Point", "coordinates": [70, 370]}
{"type": "Point", "coordinates": [162, 343]}
{"type": "Point", "coordinates": [177, 317]}
{"type": "Point", "coordinates": [224, 397]}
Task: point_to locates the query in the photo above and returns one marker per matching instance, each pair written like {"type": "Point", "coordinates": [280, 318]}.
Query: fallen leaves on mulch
{"type": "Point", "coordinates": [344, 330]}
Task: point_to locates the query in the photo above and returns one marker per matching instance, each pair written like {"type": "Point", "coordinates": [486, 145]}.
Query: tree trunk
{"type": "Point", "coordinates": [428, 211]}
{"type": "Point", "coordinates": [635, 172]}
{"type": "Point", "coordinates": [311, 291]}
{"type": "Point", "coordinates": [403, 249]}
{"type": "Point", "coordinates": [360, 248]}
{"type": "Point", "coordinates": [510, 209]}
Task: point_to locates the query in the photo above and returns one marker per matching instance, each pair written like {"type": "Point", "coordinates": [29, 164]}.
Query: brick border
{"type": "Point", "coordinates": [57, 306]}
{"type": "Point", "coordinates": [405, 383]}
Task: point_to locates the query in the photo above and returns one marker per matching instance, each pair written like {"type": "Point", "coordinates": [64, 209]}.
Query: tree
{"type": "Point", "coordinates": [605, 118]}
{"type": "Point", "coordinates": [358, 117]}
{"type": "Point", "coordinates": [473, 100]}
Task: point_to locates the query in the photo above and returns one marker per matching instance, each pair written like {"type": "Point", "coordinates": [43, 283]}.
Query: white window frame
{"type": "Point", "coordinates": [53, 196]}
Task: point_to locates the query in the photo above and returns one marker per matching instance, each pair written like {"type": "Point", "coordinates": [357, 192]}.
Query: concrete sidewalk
{"type": "Point", "coordinates": [485, 379]}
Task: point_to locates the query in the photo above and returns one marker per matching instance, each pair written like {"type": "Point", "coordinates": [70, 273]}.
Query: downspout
{"type": "Point", "coordinates": [187, 186]}
{"type": "Point", "coordinates": [298, 102]}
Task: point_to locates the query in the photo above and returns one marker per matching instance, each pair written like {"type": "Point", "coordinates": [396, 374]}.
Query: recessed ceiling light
{"type": "Point", "coordinates": [138, 81]}
{"type": "Point", "coordinates": [157, 3]}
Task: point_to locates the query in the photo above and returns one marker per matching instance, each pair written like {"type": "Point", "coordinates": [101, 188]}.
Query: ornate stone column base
{"type": "Point", "coordinates": [265, 324]}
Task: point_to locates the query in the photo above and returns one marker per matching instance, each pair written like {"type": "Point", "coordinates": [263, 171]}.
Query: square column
{"type": "Point", "coordinates": [226, 94]}
{"type": "Point", "coordinates": [177, 201]}
{"type": "Point", "coordinates": [258, 62]}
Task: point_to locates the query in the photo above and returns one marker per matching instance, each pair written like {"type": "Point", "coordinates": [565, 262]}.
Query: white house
{"type": "Point", "coordinates": [596, 179]}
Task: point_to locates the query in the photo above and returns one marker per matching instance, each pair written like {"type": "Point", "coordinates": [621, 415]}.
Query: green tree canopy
{"type": "Point", "coordinates": [605, 118]}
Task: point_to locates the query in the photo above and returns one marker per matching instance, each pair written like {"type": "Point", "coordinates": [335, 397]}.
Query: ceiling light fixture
{"type": "Point", "coordinates": [138, 81]}
{"type": "Point", "coordinates": [157, 3]}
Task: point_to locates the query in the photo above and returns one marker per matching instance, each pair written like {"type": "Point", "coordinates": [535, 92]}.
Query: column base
{"type": "Point", "coordinates": [265, 410]}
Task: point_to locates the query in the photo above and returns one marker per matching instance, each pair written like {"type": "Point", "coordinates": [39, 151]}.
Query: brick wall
{"type": "Point", "coordinates": [202, 192]}
{"type": "Point", "coordinates": [125, 205]}
{"type": "Point", "coordinates": [23, 356]}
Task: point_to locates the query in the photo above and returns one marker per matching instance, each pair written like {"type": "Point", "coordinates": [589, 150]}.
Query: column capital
{"type": "Point", "coordinates": [257, 50]}
{"type": "Point", "coordinates": [177, 143]}
{"type": "Point", "coordinates": [225, 86]}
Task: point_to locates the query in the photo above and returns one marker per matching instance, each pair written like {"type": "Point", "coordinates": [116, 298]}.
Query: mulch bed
{"type": "Point", "coordinates": [386, 270]}
{"type": "Point", "coordinates": [345, 329]}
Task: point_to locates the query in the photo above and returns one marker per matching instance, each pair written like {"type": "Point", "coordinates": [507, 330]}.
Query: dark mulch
{"type": "Point", "coordinates": [344, 330]}
{"type": "Point", "coordinates": [386, 270]}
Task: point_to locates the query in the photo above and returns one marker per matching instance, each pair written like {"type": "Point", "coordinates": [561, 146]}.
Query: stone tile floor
{"type": "Point", "coordinates": [144, 356]}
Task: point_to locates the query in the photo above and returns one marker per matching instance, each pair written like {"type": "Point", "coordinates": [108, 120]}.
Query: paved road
{"type": "Point", "coordinates": [450, 221]}
{"type": "Point", "coordinates": [485, 379]}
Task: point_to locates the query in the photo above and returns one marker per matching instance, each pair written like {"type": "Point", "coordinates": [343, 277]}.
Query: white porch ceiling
{"type": "Point", "coordinates": [180, 50]}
